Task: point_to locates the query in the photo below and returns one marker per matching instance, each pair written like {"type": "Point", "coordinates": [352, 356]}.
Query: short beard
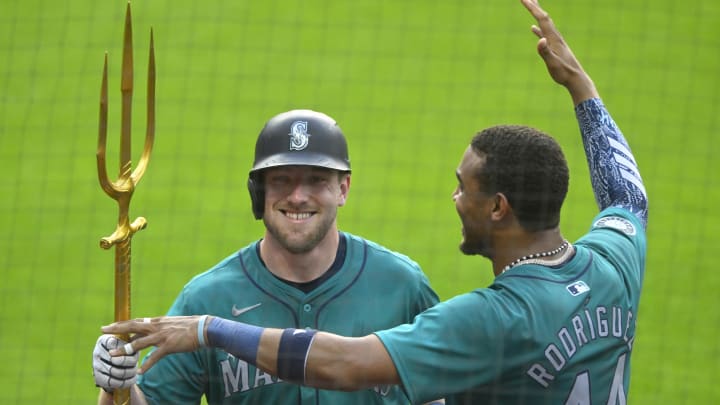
{"type": "Point", "coordinates": [475, 249]}
{"type": "Point", "coordinates": [306, 244]}
{"type": "Point", "coordinates": [468, 250]}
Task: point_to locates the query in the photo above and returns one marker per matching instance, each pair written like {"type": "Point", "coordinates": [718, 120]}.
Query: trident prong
{"type": "Point", "coordinates": [122, 189]}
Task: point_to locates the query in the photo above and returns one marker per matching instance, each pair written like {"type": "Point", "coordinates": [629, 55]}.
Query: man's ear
{"type": "Point", "coordinates": [344, 189]}
{"type": "Point", "coordinates": [501, 207]}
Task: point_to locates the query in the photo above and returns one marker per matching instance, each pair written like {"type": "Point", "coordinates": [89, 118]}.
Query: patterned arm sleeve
{"type": "Point", "coordinates": [614, 173]}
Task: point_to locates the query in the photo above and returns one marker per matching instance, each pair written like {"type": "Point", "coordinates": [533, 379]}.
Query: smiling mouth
{"type": "Point", "coordinates": [297, 216]}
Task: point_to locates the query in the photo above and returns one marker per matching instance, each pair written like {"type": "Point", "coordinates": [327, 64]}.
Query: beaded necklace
{"type": "Point", "coordinates": [533, 258]}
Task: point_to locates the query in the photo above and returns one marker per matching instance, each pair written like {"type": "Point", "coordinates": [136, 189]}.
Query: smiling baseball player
{"type": "Point", "coordinates": [304, 273]}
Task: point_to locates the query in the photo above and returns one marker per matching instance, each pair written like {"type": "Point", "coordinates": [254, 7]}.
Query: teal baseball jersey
{"type": "Point", "coordinates": [373, 288]}
{"type": "Point", "coordinates": [537, 335]}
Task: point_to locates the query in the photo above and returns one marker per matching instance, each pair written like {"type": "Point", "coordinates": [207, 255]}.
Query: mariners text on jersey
{"type": "Point", "coordinates": [236, 377]}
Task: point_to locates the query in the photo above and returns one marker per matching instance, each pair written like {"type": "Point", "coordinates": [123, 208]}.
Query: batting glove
{"type": "Point", "coordinates": [110, 372]}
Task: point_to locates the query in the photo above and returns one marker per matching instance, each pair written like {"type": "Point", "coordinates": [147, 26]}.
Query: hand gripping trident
{"type": "Point", "coordinates": [122, 189]}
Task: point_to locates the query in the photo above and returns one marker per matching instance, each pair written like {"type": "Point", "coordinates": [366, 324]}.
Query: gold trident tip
{"type": "Point", "coordinates": [122, 189]}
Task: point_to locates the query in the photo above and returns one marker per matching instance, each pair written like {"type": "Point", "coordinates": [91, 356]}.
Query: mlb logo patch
{"type": "Point", "coordinates": [577, 288]}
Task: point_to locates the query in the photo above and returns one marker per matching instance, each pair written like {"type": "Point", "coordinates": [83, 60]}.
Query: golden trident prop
{"type": "Point", "coordinates": [122, 189]}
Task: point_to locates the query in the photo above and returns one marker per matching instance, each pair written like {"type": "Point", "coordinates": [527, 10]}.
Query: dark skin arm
{"type": "Point", "coordinates": [335, 362]}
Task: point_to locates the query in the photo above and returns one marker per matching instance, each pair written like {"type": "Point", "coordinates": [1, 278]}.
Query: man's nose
{"type": "Point", "coordinates": [299, 192]}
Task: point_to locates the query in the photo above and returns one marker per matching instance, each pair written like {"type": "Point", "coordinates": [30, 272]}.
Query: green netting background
{"type": "Point", "coordinates": [409, 82]}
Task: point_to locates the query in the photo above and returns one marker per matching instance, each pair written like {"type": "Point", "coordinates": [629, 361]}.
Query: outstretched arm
{"type": "Point", "coordinates": [614, 173]}
{"type": "Point", "coordinates": [317, 359]}
{"type": "Point", "coordinates": [335, 362]}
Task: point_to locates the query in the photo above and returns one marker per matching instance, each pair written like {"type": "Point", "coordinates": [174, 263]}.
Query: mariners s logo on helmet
{"type": "Point", "coordinates": [299, 136]}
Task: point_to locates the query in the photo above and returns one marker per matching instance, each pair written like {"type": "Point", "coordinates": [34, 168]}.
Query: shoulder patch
{"type": "Point", "coordinates": [619, 223]}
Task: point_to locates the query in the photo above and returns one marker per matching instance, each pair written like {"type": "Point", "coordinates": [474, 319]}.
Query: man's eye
{"type": "Point", "coordinates": [278, 180]}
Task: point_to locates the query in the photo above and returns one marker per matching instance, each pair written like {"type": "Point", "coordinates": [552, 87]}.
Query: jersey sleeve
{"type": "Point", "coordinates": [425, 295]}
{"type": "Point", "coordinates": [619, 236]}
{"type": "Point", "coordinates": [178, 378]}
{"type": "Point", "coordinates": [439, 353]}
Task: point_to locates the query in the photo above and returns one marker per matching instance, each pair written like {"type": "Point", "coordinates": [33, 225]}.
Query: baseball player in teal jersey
{"type": "Point", "coordinates": [557, 334]}
{"type": "Point", "coordinates": [372, 288]}
{"type": "Point", "coordinates": [557, 325]}
{"type": "Point", "coordinates": [304, 273]}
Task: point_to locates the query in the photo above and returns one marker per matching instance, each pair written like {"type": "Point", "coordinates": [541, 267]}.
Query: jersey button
{"type": "Point", "coordinates": [307, 307]}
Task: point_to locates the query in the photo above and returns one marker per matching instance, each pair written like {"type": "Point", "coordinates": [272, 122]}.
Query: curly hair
{"type": "Point", "coordinates": [529, 168]}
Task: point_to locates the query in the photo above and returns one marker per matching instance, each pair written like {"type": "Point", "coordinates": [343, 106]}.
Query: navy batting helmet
{"type": "Point", "coordinates": [296, 138]}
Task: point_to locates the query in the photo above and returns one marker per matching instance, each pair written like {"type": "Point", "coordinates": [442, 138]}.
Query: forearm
{"type": "Point", "coordinates": [319, 370]}
{"type": "Point", "coordinates": [581, 88]}
{"type": "Point", "coordinates": [335, 362]}
{"type": "Point", "coordinates": [614, 173]}
{"type": "Point", "coordinates": [321, 360]}
{"type": "Point", "coordinates": [301, 356]}
{"type": "Point", "coordinates": [349, 363]}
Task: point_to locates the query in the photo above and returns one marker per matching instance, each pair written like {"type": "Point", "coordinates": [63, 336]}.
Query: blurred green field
{"type": "Point", "coordinates": [409, 82]}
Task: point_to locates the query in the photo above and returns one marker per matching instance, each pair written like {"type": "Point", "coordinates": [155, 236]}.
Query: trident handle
{"type": "Point", "coordinates": [121, 190]}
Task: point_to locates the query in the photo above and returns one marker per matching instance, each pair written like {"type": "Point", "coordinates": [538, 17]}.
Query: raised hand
{"type": "Point", "coordinates": [561, 63]}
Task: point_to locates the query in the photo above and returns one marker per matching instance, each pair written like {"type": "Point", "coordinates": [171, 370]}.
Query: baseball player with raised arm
{"type": "Point", "coordinates": [556, 326]}
{"type": "Point", "coordinates": [304, 273]}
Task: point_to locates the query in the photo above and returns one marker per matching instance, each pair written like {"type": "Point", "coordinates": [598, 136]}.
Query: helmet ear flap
{"type": "Point", "coordinates": [257, 195]}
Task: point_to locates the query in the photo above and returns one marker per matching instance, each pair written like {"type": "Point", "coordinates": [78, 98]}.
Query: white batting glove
{"type": "Point", "coordinates": [110, 372]}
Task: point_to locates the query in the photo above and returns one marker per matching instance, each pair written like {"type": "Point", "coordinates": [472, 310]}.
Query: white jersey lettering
{"type": "Point", "coordinates": [602, 323]}
{"type": "Point", "coordinates": [570, 340]}
{"type": "Point", "coordinates": [617, 330]}
{"type": "Point", "coordinates": [579, 332]}
{"type": "Point", "coordinates": [232, 378]}
{"type": "Point", "coordinates": [567, 342]}
{"type": "Point", "coordinates": [236, 376]}
{"type": "Point", "coordinates": [553, 355]}
{"type": "Point", "coordinates": [590, 324]}
{"type": "Point", "coordinates": [262, 378]}
{"type": "Point", "coordinates": [540, 374]}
